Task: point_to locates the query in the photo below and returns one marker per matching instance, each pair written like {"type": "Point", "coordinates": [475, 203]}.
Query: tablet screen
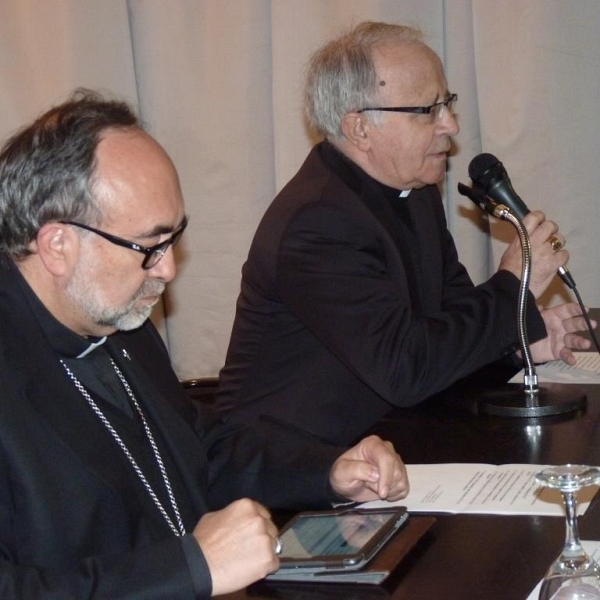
{"type": "Point", "coordinates": [333, 535]}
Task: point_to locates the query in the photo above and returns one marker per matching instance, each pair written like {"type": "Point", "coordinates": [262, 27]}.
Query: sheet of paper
{"type": "Point", "coordinates": [591, 547]}
{"type": "Point", "coordinates": [586, 370]}
{"type": "Point", "coordinates": [483, 488]}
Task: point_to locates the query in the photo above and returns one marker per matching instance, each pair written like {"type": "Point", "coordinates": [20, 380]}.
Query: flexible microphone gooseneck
{"type": "Point", "coordinates": [492, 186]}
{"type": "Point", "coordinates": [494, 194]}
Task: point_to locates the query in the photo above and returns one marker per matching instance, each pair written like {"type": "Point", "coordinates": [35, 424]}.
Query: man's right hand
{"type": "Point", "coordinates": [544, 260]}
{"type": "Point", "coordinates": [238, 544]}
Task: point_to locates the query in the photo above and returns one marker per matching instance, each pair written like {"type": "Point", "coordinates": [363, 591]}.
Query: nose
{"type": "Point", "coordinates": [166, 267]}
{"type": "Point", "coordinates": [449, 124]}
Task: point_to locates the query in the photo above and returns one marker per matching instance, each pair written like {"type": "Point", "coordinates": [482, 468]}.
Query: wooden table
{"type": "Point", "coordinates": [473, 557]}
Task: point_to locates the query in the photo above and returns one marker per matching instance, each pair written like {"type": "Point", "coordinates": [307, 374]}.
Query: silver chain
{"type": "Point", "coordinates": [180, 529]}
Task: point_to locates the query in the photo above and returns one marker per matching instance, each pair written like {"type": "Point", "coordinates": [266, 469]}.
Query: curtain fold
{"type": "Point", "coordinates": [219, 83]}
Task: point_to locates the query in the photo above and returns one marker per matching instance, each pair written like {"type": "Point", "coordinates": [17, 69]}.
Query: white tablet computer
{"type": "Point", "coordinates": [337, 540]}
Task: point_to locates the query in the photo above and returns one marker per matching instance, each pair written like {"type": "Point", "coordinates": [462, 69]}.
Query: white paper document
{"type": "Point", "coordinates": [591, 547]}
{"type": "Point", "coordinates": [586, 370]}
{"type": "Point", "coordinates": [483, 488]}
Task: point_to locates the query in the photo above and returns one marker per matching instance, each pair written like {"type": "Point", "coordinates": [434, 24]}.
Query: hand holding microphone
{"type": "Point", "coordinates": [492, 186]}
{"type": "Point", "coordinates": [546, 261]}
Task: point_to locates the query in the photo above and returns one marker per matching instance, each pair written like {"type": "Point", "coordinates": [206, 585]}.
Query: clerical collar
{"type": "Point", "coordinates": [93, 345]}
{"type": "Point", "coordinates": [63, 340]}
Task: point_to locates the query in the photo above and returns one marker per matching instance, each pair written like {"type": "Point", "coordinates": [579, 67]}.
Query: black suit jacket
{"type": "Point", "coordinates": [74, 520]}
{"type": "Point", "coordinates": [351, 304]}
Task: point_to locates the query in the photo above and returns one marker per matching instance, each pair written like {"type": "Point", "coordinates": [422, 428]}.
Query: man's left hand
{"type": "Point", "coordinates": [370, 470]}
{"type": "Point", "coordinates": [562, 324]}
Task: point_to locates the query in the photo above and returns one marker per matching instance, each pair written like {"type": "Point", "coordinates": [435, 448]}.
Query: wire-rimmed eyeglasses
{"type": "Point", "coordinates": [153, 254]}
{"type": "Point", "coordinates": [436, 110]}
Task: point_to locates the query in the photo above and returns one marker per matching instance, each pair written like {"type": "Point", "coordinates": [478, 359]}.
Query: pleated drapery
{"type": "Point", "coordinates": [219, 84]}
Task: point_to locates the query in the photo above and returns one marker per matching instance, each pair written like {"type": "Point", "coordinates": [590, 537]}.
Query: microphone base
{"type": "Point", "coordinates": [552, 399]}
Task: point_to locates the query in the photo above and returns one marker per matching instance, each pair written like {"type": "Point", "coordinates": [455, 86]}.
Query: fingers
{"type": "Point", "coordinates": [577, 342]}
{"type": "Point", "coordinates": [371, 469]}
{"type": "Point", "coordinates": [577, 324]}
{"type": "Point", "coordinates": [547, 250]}
{"type": "Point", "coordinates": [567, 356]}
{"type": "Point", "coordinates": [534, 219]}
{"type": "Point", "coordinates": [399, 488]}
{"type": "Point", "coordinates": [541, 231]}
{"type": "Point", "coordinates": [567, 318]}
{"type": "Point", "coordinates": [354, 476]}
{"type": "Point", "coordinates": [539, 228]}
{"type": "Point", "coordinates": [393, 479]}
{"type": "Point", "coordinates": [238, 543]}
{"type": "Point", "coordinates": [545, 235]}
{"type": "Point", "coordinates": [563, 324]}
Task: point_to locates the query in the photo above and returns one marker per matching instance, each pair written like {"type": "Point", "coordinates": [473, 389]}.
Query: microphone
{"type": "Point", "coordinates": [492, 191]}
{"type": "Point", "coordinates": [490, 176]}
{"type": "Point", "coordinates": [492, 183]}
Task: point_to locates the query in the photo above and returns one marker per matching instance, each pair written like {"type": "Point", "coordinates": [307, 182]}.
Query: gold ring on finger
{"type": "Point", "coordinates": [555, 243]}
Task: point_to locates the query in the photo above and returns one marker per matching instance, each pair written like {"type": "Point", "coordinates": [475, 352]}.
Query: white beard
{"type": "Point", "coordinates": [87, 296]}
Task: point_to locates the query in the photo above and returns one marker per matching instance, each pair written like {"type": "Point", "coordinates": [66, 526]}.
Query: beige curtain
{"type": "Point", "coordinates": [219, 83]}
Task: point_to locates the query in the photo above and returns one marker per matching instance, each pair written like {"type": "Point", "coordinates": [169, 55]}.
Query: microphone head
{"type": "Point", "coordinates": [481, 164]}
{"type": "Point", "coordinates": [491, 179]}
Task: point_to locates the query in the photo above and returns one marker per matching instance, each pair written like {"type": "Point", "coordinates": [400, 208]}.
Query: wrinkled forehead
{"type": "Point", "coordinates": [409, 73]}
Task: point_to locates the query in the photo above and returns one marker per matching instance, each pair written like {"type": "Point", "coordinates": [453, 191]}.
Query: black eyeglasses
{"type": "Point", "coordinates": [437, 109]}
{"type": "Point", "coordinates": [153, 253]}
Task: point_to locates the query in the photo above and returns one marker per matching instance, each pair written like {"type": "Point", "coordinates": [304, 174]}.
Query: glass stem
{"type": "Point", "coordinates": [572, 543]}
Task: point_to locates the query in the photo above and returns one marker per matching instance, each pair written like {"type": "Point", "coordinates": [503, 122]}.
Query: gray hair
{"type": "Point", "coordinates": [341, 75]}
{"type": "Point", "coordinates": [47, 169]}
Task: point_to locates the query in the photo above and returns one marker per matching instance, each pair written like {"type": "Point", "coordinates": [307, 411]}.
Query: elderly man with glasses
{"type": "Point", "coordinates": [353, 300]}
{"type": "Point", "coordinates": [110, 484]}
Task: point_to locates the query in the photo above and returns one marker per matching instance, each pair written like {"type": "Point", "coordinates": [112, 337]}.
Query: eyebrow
{"type": "Point", "coordinates": [162, 229]}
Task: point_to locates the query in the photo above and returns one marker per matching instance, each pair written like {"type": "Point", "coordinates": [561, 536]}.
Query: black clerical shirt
{"type": "Point", "coordinates": [386, 202]}
{"type": "Point", "coordinates": [90, 362]}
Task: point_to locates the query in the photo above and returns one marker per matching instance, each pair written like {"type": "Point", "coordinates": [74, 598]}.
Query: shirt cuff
{"type": "Point", "coordinates": [336, 500]}
{"type": "Point", "coordinates": [198, 567]}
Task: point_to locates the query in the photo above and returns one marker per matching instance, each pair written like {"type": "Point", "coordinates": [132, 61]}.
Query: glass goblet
{"type": "Point", "coordinates": [574, 575]}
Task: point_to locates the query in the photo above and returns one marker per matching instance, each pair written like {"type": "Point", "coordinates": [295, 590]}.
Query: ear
{"type": "Point", "coordinates": [57, 246]}
{"type": "Point", "coordinates": [356, 129]}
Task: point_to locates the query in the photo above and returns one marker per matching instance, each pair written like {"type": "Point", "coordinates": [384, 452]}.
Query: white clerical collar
{"type": "Point", "coordinates": [92, 347]}
{"type": "Point", "coordinates": [404, 193]}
